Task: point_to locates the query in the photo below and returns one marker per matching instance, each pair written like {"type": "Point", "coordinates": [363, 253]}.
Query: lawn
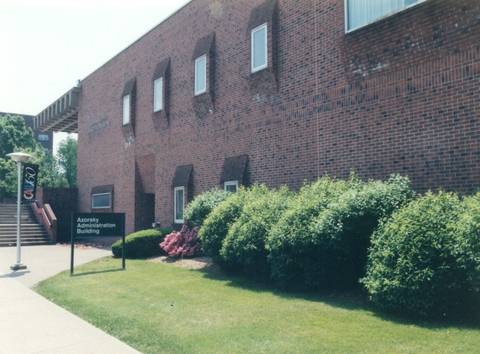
{"type": "Point", "coordinates": [160, 308]}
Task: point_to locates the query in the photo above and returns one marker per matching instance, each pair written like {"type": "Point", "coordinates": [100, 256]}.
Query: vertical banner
{"type": "Point", "coordinates": [29, 184]}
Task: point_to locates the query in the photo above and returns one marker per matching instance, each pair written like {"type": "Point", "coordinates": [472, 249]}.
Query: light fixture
{"type": "Point", "coordinates": [19, 158]}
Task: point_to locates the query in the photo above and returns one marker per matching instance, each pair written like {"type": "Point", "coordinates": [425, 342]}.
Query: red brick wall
{"type": "Point", "coordinates": [63, 202]}
{"type": "Point", "coordinates": [400, 95]}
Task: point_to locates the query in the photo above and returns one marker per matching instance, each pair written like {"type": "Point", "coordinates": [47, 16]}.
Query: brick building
{"type": "Point", "coordinates": [226, 93]}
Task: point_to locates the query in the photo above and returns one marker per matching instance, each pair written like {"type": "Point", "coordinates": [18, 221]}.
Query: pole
{"type": "Point", "coordinates": [19, 264]}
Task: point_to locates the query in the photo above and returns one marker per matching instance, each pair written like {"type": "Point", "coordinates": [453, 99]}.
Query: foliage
{"type": "Point", "coordinates": [8, 178]}
{"type": "Point", "coordinates": [243, 249]}
{"type": "Point", "coordinates": [198, 209]}
{"type": "Point", "coordinates": [289, 242]}
{"type": "Point", "coordinates": [67, 160]}
{"type": "Point", "coordinates": [141, 244]}
{"type": "Point", "coordinates": [467, 241]}
{"type": "Point", "coordinates": [183, 243]}
{"type": "Point", "coordinates": [412, 267]}
{"type": "Point", "coordinates": [14, 136]}
{"type": "Point", "coordinates": [216, 225]}
{"type": "Point", "coordinates": [48, 171]}
{"type": "Point", "coordinates": [340, 235]}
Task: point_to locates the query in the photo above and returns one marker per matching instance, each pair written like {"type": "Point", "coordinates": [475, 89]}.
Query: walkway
{"type": "Point", "coordinates": [30, 323]}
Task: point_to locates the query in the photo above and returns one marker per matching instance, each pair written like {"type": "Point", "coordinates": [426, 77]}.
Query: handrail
{"type": "Point", "coordinates": [47, 218]}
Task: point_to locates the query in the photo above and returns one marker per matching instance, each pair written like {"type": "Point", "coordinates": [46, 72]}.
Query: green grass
{"type": "Point", "coordinates": [160, 308]}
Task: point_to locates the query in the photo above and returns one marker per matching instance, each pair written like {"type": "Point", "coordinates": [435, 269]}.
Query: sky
{"type": "Point", "coordinates": [46, 46]}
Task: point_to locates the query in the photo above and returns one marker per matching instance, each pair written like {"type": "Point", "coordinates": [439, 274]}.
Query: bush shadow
{"type": "Point", "coordinates": [354, 300]}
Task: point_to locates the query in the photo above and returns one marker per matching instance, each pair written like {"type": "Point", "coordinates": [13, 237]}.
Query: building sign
{"type": "Point", "coordinates": [93, 225]}
{"type": "Point", "coordinates": [98, 224]}
{"type": "Point", "coordinates": [29, 182]}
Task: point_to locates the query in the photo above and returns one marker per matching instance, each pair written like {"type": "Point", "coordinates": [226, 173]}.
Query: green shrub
{"type": "Point", "coordinates": [412, 268]}
{"type": "Point", "coordinates": [218, 222]}
{"type": "Point", "coordinates": [243, 248]}
{"type": "Point", "coordinates": [467, 247]}
{"type": "Point", "coordinates": [141, 244]}
{"type": "Point", "coordinates": [289, 241]}
{"type": "Point", "coordinates": [340, 235]}
{"type": "Point", "coordinates": [203, 204]}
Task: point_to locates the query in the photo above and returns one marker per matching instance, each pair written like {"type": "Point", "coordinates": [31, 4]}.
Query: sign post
{"type": "Point", "coordinates": [94, 225]}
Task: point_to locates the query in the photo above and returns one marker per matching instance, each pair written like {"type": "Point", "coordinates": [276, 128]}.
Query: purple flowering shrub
{"type": "Point", "coordinates": [183, 243]}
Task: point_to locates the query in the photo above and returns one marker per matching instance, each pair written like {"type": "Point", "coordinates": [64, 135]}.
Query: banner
{"type": "Point", "coordinates": [30, 177]}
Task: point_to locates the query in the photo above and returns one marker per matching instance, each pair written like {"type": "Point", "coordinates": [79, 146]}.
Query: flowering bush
{"type": "Point", "coordinates": [183, 243]}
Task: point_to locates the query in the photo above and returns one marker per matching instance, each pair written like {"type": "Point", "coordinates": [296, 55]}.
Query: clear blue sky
{"type": "Point", "coordinates": [47, 45]}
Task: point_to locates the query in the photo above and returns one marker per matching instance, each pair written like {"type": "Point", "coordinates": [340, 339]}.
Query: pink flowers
{"type": "Point", "coordinates": [184, 243]}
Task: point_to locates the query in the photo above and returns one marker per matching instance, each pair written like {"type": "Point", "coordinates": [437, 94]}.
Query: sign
{"type": "Point", "coordinates": [29, 182]}
{"type": "Point", "coordinates": [97, 224]}
{"type": "Point", "coordinates": [88, 225]}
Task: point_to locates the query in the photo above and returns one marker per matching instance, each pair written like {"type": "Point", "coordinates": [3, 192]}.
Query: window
{"type": "Point", "coordinates": [126, 109]}
{"type": "Point", "coordinates": [259, 48]}
{"type": "Point", "coordinates": [359, 13]}
{"type": "Point", "coordinates": [200, 75]}
{"type": "Point", "coordinates": [179, 204]}
{"type": "Point", "coordinates": [158, 94]}
{"type": "Point", "coordinates": [43, 137]}
{"type": "Point", "coordinates": [100, 200]}
{"type": "Point", "coordinates": [231, 186]}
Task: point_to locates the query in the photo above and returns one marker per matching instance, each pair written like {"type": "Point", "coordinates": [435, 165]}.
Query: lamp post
{"type": "Point", "coordinates": [19, 158]}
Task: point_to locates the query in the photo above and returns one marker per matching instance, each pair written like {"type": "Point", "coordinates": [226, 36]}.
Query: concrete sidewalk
{"type": "Point", "coordinates": [31, 324]}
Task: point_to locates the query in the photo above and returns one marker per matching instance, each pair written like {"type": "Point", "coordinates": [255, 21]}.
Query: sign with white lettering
{"type": "Point", "coordinates": [97, 224]}
{"type": "Point", "coordinates": [93, 225]}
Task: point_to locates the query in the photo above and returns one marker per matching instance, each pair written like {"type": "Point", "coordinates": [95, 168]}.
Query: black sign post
{"type": "Point", "coordinates": [93, 225]}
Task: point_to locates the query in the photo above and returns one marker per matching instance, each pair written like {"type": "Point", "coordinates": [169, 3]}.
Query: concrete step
{"type": "Point", "coordinates": [38, 242]}
{"type": "Point", "coordinates": [26, 240]}
{"type": "Point", "coordinates": [31, 232]}
{"type": "Point", "coordinates": [26, 227]}
{"type": "Point", "coordinates": [8, 214]}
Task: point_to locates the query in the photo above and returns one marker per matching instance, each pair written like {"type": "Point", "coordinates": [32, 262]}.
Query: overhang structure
{"type": "Point", "coordinates": [60, 116]}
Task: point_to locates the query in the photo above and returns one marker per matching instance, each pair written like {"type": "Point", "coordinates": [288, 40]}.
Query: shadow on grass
{"type": "Point", "coordinates": [355, 300]}
{"type": "Point", "coordinates": [97, 272]}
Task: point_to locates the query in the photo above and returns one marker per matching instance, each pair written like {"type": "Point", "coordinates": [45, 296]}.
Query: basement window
{"type": "Point", "coordinates": [102, 197]}
{"type": "Point", "coordinates": [231, 186]}
{"type": "Point", "coordinates": [179, 195]}
{"type": "Point", "coordinates": [101, 201]}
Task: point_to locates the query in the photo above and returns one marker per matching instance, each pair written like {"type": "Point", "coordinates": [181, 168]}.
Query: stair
{"type": "Point", "coordinates": [32, 233]}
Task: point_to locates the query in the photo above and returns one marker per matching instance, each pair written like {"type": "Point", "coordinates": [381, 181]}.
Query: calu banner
{"type": "Point", "coordinates": [29, 184]}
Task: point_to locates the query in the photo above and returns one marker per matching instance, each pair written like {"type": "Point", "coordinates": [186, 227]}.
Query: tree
{"type": "Point", "coordinates": [15, 136]}
{"type": "Point", "coordinates": [67, 160]}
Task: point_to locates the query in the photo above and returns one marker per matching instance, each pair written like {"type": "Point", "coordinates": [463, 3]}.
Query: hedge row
{"type": "Point", "coordinates": [425, 260]}
{"type": "Point", "coordinates": [142, 244]}
{"type": "Point", "coordinates": [415, 255]}
{"type": "Point", "coordinates": [316, 238]}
